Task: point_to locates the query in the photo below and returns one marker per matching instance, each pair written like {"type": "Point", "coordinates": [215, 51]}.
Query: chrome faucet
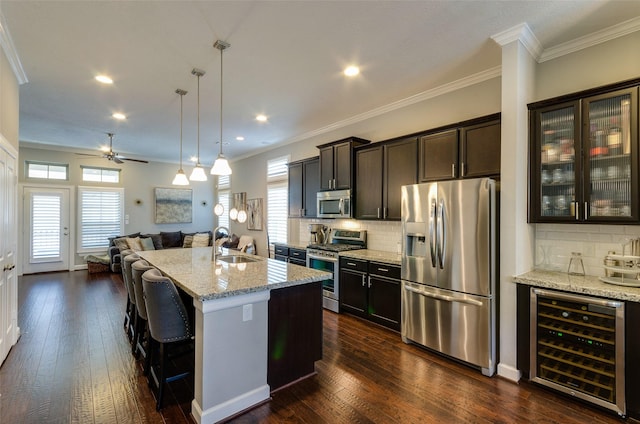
{"type": "Point", "coordinates": [214, 248]}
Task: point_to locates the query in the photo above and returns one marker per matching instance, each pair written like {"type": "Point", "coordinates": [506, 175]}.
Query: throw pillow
{"type": "Point", "coordinates": [134, 243]}
{"type": "Point", "coordinates": [200, 240]}
{"type": "Point", "coordinates": [222, 241]}
{"type": "Point", "coordinates": [171, 239]}
{"type": "Point", "coordinates": [121, 243]}
{"type": "Point", "coordinates": [147, 243]}
{"type": "Point", "coordinates": [188, 241]}
{"type": "Point", "coordinates": [157, 240]}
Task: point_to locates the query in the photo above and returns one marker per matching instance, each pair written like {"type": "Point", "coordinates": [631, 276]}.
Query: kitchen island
{"type": "Point", "coordinates": [243, 305]}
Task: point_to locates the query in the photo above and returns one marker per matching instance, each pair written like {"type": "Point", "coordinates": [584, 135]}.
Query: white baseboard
{"type": "Point", "coordinates": [509, 372]}
{"type": "Point", "coordinates": [231, 407]}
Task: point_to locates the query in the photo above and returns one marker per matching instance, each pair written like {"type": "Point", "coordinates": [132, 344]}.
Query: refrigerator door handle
{"type": "Point", "coordinates": [443, 297]}
{"type": "Point", "coordinates": [441, 236]}
{"type": "Point", "coordinates": [432, 233]}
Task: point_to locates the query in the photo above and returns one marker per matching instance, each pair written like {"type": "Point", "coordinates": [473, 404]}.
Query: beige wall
{"type": "Point", "coordinates": [138, 180]}
{"type": "Point", "coordinates": [9, 102]}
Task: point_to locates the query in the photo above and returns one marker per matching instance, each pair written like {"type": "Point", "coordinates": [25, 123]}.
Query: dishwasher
{"type": "Point", "coordinates": [577, 346]}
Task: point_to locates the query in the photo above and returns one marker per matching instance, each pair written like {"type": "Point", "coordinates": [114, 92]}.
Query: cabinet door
{"type": "Point", "coordinates": [311, 180]}
{"type": "Point", "coordinates": [384, 301]}
{"type": "Point", "coordinates": [439, 156]}
{"type": "Point", "coordinates": [326, 168]}
{"type": "Point", "coordinates": [611, 156]}
{"type": "Point", "coordinates": [295, 190]}
{"type": "Point", "coordinates": [368, 192]}
{"type": "Point", "coordinates": [342, 165]}
{"type": "Point", "coordinates": [555, 172]}
{"type": "Point", "coordinates": [353, 292]}
{"type": "Point", "coordinates": [400, 168]}
{"type": "Point", "coordinates": [480, 150]}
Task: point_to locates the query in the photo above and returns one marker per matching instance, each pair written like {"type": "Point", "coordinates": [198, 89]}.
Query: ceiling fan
{"type": "Point", "coordinates": [113, 156]}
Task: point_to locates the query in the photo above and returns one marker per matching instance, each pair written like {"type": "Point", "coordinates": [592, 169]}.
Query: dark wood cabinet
{"type": "Point", "coordinates": [469, 149]}
{"type": "Point", "coordinates": [439, 156]}
{"type": "Point", "coordinates": [380, 172]}
{"type": "Point", "coordinates": [371, 290]}
{"type": "Point", "coordinates": [336, 163]}
{"type": "Point", "coordinates": [304, 183]}
{"type": "Point", "coordinates": [289, 254]}
{"type": "Point", "coordinates": [295, 333]}
{"type": "Point", "coordinates": [584, 157]}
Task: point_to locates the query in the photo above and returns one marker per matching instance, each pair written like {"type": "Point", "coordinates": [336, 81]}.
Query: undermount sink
{"type": "Point", "coordinates": [236, 259]}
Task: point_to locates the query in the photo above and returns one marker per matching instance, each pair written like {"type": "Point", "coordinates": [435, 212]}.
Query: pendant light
{"type": "Point", "coordinates": [181, 178]}
{"type": "Point", "coordinates": [221, 165]}
{"type": "Point", "coordinates": [198, 173]}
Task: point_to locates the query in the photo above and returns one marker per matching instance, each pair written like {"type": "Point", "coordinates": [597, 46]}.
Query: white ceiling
{"type": "Point", "coordinates": [285, 61]}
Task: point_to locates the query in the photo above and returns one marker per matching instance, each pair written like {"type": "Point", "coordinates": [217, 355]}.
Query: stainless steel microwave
{"type": "Point", "coordinates": [334, 204]}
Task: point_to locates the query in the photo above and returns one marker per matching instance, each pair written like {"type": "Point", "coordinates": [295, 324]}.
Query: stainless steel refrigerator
{"type": "Point", "coordinates": [449, 269]}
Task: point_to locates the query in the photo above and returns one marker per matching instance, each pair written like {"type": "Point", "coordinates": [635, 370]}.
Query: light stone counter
{"type": "Point", "coordinates": [231, 304]}
{"type": "Point", "coordinates": [373, 255]}
{"type": "Point", "coordinates": [193, 271]}
{"type": "Point", "coordinates": [588, 284]}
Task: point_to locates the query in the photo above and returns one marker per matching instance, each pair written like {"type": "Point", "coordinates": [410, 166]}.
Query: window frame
{"type": "Point", "coordinates": [27, 167]}
{"type": "Point", "coordinates": [101, 169]}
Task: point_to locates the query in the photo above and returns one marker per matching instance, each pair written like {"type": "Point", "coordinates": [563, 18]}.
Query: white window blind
{"type": "Point", "coordinates": [277, 199]}
{"type": "Point", "coordinates": [45, 223]}
{"type": "Point", "coordinates": [101, 215]}
{"type": "Point", "coordinates": [224, 194]}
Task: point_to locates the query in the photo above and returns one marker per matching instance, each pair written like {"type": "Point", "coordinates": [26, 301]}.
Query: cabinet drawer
{"type": "Point", "coordinates": [384, 270]}
{"type": "Point", "coordinates": [298, 254]}
{"type": "Point", "coordinates": [353, 264]}
{"type": "Point", "coordinates": [281, 250]}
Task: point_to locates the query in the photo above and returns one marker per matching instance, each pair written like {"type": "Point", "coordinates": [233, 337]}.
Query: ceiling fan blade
{"type": "Point", "coordinates": [116, 159]}
{"type": "Point", "coordinates": [89, 154]}
{"type": "Point", "coordinates": [133, 160]}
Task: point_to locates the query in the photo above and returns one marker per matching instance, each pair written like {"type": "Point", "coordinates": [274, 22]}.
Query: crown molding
{"type": "Point", "coordinates": [598, 37]}
{"type": "Point", "coordinates": [6, 42]}
{"type": "Point", "coordinates": [522, 33]}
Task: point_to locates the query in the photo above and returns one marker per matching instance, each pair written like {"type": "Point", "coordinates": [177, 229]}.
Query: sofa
{"type": "Point", "coordinates": [121, 246]}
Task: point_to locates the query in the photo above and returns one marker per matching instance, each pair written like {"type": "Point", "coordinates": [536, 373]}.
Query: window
{"type": "Point", "coordinates": [45, 223]}
{"type": "Point", "coordinates": [49, 171]}
{"type": "Point", "coordinates": [277, 198]}
{"type": "Point", "coordinates": [100, 175]}
{"type": "Point", "coordinates": [224, 193]}
{"type": "Point", "coordinates": [100, 216]}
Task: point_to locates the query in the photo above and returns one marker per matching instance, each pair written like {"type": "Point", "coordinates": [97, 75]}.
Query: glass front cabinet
{"type": "Point", "coordinates": [584, 157]}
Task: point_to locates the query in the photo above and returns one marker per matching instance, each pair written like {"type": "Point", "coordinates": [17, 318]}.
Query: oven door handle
{"type": "Point", "coordinates": [321, 258]}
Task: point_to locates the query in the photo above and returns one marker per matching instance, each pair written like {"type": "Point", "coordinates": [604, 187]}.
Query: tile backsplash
{"type": "Point", "coordinates": [381, 235]}
{"type": "Point", "coordinates": [555, 242]}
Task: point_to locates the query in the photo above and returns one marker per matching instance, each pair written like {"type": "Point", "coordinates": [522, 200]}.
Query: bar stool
{"type": "Point", "coordinates": [128, 282]}
{"type": "Point", "coordinates": [169, 327]}
{"type": "Point", "coordinates": [141, 341]}
{"type": "Point", "coordinates": [129, 311]}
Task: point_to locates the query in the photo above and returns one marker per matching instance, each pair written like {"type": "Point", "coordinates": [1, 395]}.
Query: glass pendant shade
{"type": "Point", "coordinates": [233, 214]}
{"type": "Point", "coordinates": [198, 174]}
{"type": "Point", "coordinates": [242, 216]}
{"type": "Point", "coordinates": [180, 178]}
{"type": "Point", "coordinates": [218, 209]}
{"type": "Point", "coordinates": [221, 166]}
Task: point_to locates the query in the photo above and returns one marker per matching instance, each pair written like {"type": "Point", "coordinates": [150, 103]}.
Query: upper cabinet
{"type": "Point", "coordinates": [381, 169]}
{"type": "Point", "coordinates": [304, 183]}
{"type": "Point", "coordinates": [468, 150]}
{"type": "Point", "coordinates": [336, 163]}
{"type": "Point", "coordinates": [584, 157]}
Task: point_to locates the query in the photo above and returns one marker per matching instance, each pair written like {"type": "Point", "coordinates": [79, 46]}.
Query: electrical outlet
{"type": "Point", "coordinates": [247, 312]}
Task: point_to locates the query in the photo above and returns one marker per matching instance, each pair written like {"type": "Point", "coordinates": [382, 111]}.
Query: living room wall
{"type": "Point", "coordinates": [138, 181]}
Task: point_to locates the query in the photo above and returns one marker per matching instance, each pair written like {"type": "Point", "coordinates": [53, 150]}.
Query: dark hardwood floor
{"type": "Point", "coordinates": [73, 364]}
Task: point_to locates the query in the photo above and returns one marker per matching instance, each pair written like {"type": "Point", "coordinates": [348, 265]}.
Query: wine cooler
{"type": "Point", "coordinates": [577, 346]}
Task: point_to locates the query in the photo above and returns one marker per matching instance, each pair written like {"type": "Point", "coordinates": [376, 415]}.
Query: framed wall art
{"type": "Point", "coordinates": [254, 214]}
{"type": "Point", "coordinates": [173, 205]}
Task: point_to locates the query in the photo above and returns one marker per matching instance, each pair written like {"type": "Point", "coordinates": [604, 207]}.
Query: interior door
{"type": "Point", "coordinates": [46, 213]}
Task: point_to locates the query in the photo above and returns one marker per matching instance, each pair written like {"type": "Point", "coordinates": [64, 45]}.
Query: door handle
{"type": "Point", "coordinates": [444, 297]}
{"type": "Point", "coordinates": [440, 230]}
{"type": "Point", "coordinates": [432, 233]}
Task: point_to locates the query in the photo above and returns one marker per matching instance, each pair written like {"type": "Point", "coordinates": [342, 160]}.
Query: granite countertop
{"type": "Point", "coordinates": [588, 284]}
{"type": "Point", "coordinates": [193, 271]}
{"type": "Point", "coordinates": [302, 246]}
{"type": "Point", "coordinates": [374, 255]}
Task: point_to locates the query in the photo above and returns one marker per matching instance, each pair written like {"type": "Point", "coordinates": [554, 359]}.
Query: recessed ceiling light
{"type": "Point", "coordinates": [351, 71]}
{"type": "Point", "coordinates": [119, 116]}
{"type": "Point", "coordinates": [240, 138]}
{"type": "Point", "coordinates": [104, 79]}
{"type": "Point", "coordinates": [261, 118]}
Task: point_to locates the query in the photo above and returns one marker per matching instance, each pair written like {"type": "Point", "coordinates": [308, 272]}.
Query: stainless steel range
{"type": "Point", "coordinates": [325, 257]}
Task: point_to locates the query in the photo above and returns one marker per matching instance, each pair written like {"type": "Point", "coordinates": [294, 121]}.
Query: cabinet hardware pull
{"type": "Point", "coordinates": [586, 210]}
{"type": "Point", "coordinates": [369, 281]}
{"type": "Point", "coordinates": [384, 212]}
{"type": "Point", "coordinates": [462, 169]}
{"type": "Point", "coordinates": [363, 280]}
{"type": "Point", "coordinates": [453, 170]}
{"type": "Point", "coordinates": [351, 264]}
{"type": "Point", "coordinates": [575, 210]}
{"type": "Point", "coordinates": [383, 269]}
{"type": "Point", "coordinates": [378, 212]}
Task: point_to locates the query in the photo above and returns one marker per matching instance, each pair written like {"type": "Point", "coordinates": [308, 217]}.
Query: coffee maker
{"type": "Point", "coordinates": [317, 234]}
